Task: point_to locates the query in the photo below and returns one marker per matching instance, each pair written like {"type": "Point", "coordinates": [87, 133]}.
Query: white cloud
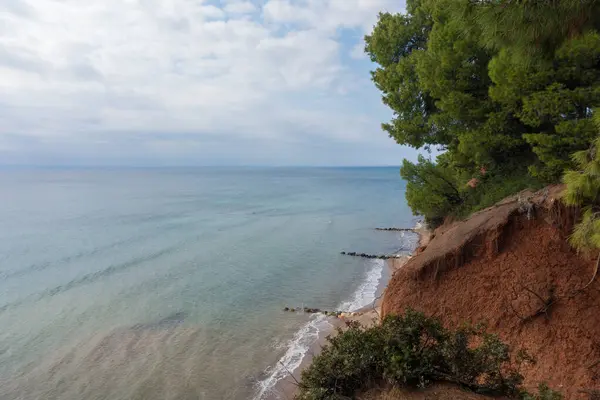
{"type": "Point", "coordinates": [329, 14]}
{"type": "Point", "coordinates": [211, 11]}
{"type": "Point", "coordinates": [75, 68]}
{"type": "Point", "coordinates": [240, 7]}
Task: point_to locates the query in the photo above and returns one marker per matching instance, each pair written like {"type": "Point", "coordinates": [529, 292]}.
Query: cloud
{"type": "Point", "coordinates": [240, 7]}
{"type": "Point", "coordinates": [18, 8]}
{"type": "Point", "coordinates": [329, 14]}
{"type": "Point", "coordinates": [212, 12]}
{"type": "Point", "coordinates": [269, 71]}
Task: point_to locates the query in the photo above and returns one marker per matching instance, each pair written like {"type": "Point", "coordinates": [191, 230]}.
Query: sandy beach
{"type": "Point", "coordinates": [368, 316]}
{"type": "Point", "coordinates": [371, 315]}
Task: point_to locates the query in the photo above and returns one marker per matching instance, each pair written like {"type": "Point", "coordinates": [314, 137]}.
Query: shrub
{"type": "Point", "coordinates": [437, 190]}
{"type": "Point", "coordinates": [544, 393]}
{"type": "Point", "coordinates": [494, 187]}
{"type": "Point", "coordinates": [410, 350]}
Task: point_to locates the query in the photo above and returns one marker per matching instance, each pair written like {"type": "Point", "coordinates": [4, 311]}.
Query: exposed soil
{"type": "Point", "coordinates": [434, 392]}
{"type": "Point", "coordinates": [439, 391]}
{"type": "Point", "coordinates": [511, 267]}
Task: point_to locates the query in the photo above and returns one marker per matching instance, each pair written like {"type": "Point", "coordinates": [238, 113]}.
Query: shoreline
{"type": "Point", "coordinates": [371, 315]}
{"type": "Point", "coordinates": [367, 316]}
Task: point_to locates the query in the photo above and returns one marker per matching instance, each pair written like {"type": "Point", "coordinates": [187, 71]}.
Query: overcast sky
{"type": "Point", "coordinates": [191, 82]}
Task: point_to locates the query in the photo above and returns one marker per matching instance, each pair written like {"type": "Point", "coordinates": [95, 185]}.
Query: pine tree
{"type": "Point", "coordinates": [583, 190]}
{"type": "Point", "coordinates": [431, 189]}
{"type": "Point", "coordinates": [508, 85]}
{"type": "Point", "coordinates": [531, 28]}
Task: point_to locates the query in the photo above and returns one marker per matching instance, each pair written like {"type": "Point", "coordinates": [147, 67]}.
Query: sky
{"type": "Point", "coordinates": [191, 82]}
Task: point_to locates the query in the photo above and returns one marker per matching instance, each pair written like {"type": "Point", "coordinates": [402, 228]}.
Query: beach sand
{"type": "Point", "coordinates": [367, 317]}
{"type": "Point", "coordinates": [371, 315]}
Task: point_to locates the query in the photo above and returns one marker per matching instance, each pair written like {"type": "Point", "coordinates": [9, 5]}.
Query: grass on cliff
{"type": "Point", "coordinates": [413, 350]}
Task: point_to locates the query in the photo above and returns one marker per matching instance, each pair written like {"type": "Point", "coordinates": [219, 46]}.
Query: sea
{"type": "Point", "coordinates": [170, 283]}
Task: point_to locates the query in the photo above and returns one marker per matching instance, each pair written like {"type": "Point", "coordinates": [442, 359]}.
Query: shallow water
{"type": "Point", "coordinates": [169, 283]}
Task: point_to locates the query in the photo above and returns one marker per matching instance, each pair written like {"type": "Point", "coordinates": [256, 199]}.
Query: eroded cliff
{"type": "Point", "coordinates": [511, 267]}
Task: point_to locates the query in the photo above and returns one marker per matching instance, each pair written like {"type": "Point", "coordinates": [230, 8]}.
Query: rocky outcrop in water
{"type": "Point", "coordinates": [396, 229]}
{"type": "Point", "coordinates": [308, 310]}
{"type": "Point", "coordinates": [365, 255]}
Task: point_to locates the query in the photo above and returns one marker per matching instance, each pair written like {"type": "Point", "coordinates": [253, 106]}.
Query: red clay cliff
{"type": "Point", "coordinates": [511, 266]}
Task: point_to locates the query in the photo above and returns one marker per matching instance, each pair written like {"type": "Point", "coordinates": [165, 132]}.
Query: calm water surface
{"type": "Point", "coordinates": [169, 283]}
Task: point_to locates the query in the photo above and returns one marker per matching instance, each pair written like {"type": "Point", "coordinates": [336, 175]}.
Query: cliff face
{"type": "Point", "coordinates": [511, 267]}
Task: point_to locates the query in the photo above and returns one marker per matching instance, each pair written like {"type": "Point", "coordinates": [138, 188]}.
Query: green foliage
{"type": "Point", "coordinates": [544, 393]}
{"type": "Point", "coordinates": [545, 72]}
{"type": "Point", "coordinates": [495, 186]}
{"type": "Point", "coordinates": [531, 28]}
{"type": "Point", "coordinates": [583, 190]}
{"type": "Point", "coordinates": [435, 79]}
{"type": "Point", "coordinates": [392, 45]}
{"type": "Point", "coordinates": [553, 101]}
{"type": "Point", "coordinates": [409, 350]}
{"type": "Point", "coordinates": [501, 84]}
{"type": "Point", "coordinates": [431, 189]}
{"type": "Point", "coordinates": [440, 190]}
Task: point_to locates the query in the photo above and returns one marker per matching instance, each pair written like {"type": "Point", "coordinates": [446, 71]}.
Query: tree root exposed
{"type": "Point", "coordinates": [544, 309]}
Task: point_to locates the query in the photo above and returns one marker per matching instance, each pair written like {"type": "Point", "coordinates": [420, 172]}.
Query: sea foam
{"type": "Point", "coordinates": [305, 337]}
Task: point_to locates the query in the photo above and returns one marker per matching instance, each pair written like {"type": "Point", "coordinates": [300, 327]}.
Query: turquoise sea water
{"type": "Point", "coordinates": [169, 283]}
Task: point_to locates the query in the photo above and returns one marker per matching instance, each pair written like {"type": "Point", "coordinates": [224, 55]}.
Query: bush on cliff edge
{"type": "Point", "coordinates": [412, 350]}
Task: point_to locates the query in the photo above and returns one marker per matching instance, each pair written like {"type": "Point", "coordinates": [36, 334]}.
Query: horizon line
{"type": "Point", "coordinates": [42, 166]}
